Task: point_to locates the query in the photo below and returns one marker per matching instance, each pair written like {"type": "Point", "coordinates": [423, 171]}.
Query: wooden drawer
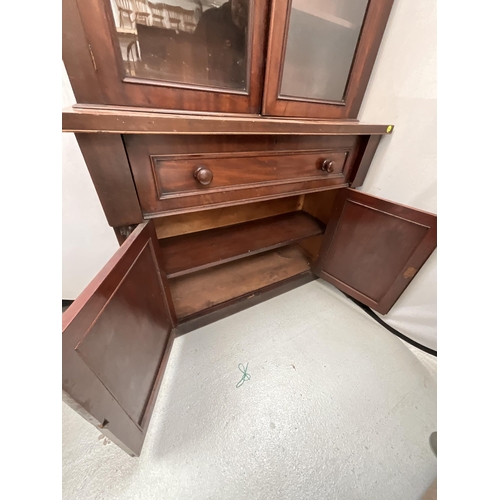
{"type": "Point", "coordinates": [233, 169]}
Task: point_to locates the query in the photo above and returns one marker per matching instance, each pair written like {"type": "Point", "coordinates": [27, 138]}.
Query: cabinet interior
{"type": "Point", "coordinates": [215, 256]}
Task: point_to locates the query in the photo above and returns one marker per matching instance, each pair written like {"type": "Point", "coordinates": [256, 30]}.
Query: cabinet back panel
{"type": "Point", "coordinates": [175, 225]}
{"type": "Point", "coordinates": [312, 246]}
{"type": "Point", "coordinates": [192, 252]}
{"type": "Point", "coordinates": [320, 206]}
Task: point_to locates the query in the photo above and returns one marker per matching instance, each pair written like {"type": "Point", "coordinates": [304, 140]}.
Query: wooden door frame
{"type": "Point", "coordinates": [372, 30]}
{"type": "Point", "coordinates": [93, 62]}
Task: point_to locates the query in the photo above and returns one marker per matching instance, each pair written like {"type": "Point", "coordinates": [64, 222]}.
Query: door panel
{"type": "Point", "coordinates": [116, 339]}
{"type": "Point", "coordinates": [373, 248]}
{"type": "Point", "coordinates": [320, 56]}
{"type": "Point", "coordinates": [179, 57]}
{"type": "Point", "coordinates": [320, 48]}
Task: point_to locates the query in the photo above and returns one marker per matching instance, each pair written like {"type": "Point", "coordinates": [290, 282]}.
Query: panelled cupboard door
{"type": "Point", "coordinates": [320, 56]}
{"type": "Point", "coordinates": [183, 55]}
{"type": "Point", "coordinates": [117, 336]}
{"type": "Point", "coordinates": [373, 248]}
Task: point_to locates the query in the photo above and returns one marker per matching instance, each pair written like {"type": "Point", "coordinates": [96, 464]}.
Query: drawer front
{"type": "Point", "coordinates": [193, 180]}
{"type": "Point", "coordinates": [234, 171]}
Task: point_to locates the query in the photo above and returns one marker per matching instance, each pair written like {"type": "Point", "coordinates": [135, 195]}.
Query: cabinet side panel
{"type": "Point", "coordinates": [108, 165]}
{"type": "Point", "coordinates": [364, 159]}
{"type": "Point", "coordinates": [77, 57]}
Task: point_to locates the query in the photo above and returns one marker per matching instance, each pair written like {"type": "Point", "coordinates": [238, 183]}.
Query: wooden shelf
{"type": "Point", "coordinates": [192, 252]}
{"type": "Point", "coordinates": [127, 120]}
{"type": "Point", "coordinates": [205, 291]}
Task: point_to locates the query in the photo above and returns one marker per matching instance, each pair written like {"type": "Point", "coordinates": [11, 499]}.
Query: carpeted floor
{"type": "Point", "coordinates": [336, 408]}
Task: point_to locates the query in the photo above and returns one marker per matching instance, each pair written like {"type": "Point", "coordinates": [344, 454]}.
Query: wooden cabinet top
{"type": "Point", "coordinates": [132, 121]}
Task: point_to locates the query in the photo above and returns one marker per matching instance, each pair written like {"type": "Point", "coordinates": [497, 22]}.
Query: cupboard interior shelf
{"type": "Point", "coordinates": [202, 291]}
{"type": "Point", "coordinates": [189, 253]}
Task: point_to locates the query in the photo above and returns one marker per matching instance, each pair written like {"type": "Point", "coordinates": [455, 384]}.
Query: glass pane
{"type": "Point", "coordinates": [198, 42]}
{"type": "Point", "coordinates": [322, 39]}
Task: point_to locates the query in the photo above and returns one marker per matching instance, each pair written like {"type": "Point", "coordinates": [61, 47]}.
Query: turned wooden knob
{"type": "Point", "coordinates": [328, 166]}
{"type": "Point", "coordinates": [203, 175]}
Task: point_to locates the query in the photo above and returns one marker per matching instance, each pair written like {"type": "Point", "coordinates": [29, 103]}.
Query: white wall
{"type": "Point", "coordinates": [87, 240]}
{"type": "Point", "coordinates": [402, 91]}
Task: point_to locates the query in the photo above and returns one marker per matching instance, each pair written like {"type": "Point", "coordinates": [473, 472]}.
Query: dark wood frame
{"type": "Point", "coordinates": [96, 72]}
{"type": "Point", "coordinates": [369, 41]}
{"type": "Point", "coordinates": [364, 156]}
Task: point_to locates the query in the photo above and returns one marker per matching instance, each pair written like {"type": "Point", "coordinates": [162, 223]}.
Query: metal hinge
{"type": "Point", "coordinates": [92, 57]}
{"type": "Point", "coordinates": [126, 231]}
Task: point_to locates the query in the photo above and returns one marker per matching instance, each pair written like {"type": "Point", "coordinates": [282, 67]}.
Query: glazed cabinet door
{"type": "Point", "coordinates": [373, 248]}
{"type": "Point", "coordinates": [116, 339]}
{"type": "Point", "coordinates": [320, 56]}
{"type": "Point", "coordinates": [183, 55]}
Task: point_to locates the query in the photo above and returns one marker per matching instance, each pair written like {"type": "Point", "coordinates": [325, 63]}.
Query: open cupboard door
{"type": "Point", "coordinates": [117, 336]}
{"type": "Point", "coordinates": [373, 248]}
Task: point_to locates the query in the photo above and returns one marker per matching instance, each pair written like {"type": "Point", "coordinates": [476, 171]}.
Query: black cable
{"type": "Point", "coordinates": [372, 314]}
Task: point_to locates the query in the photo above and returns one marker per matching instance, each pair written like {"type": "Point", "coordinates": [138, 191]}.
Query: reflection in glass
{"type": "Point", "coordinates": [322, 39]}
{"type": "Point", "coordinates": [197, 42]}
